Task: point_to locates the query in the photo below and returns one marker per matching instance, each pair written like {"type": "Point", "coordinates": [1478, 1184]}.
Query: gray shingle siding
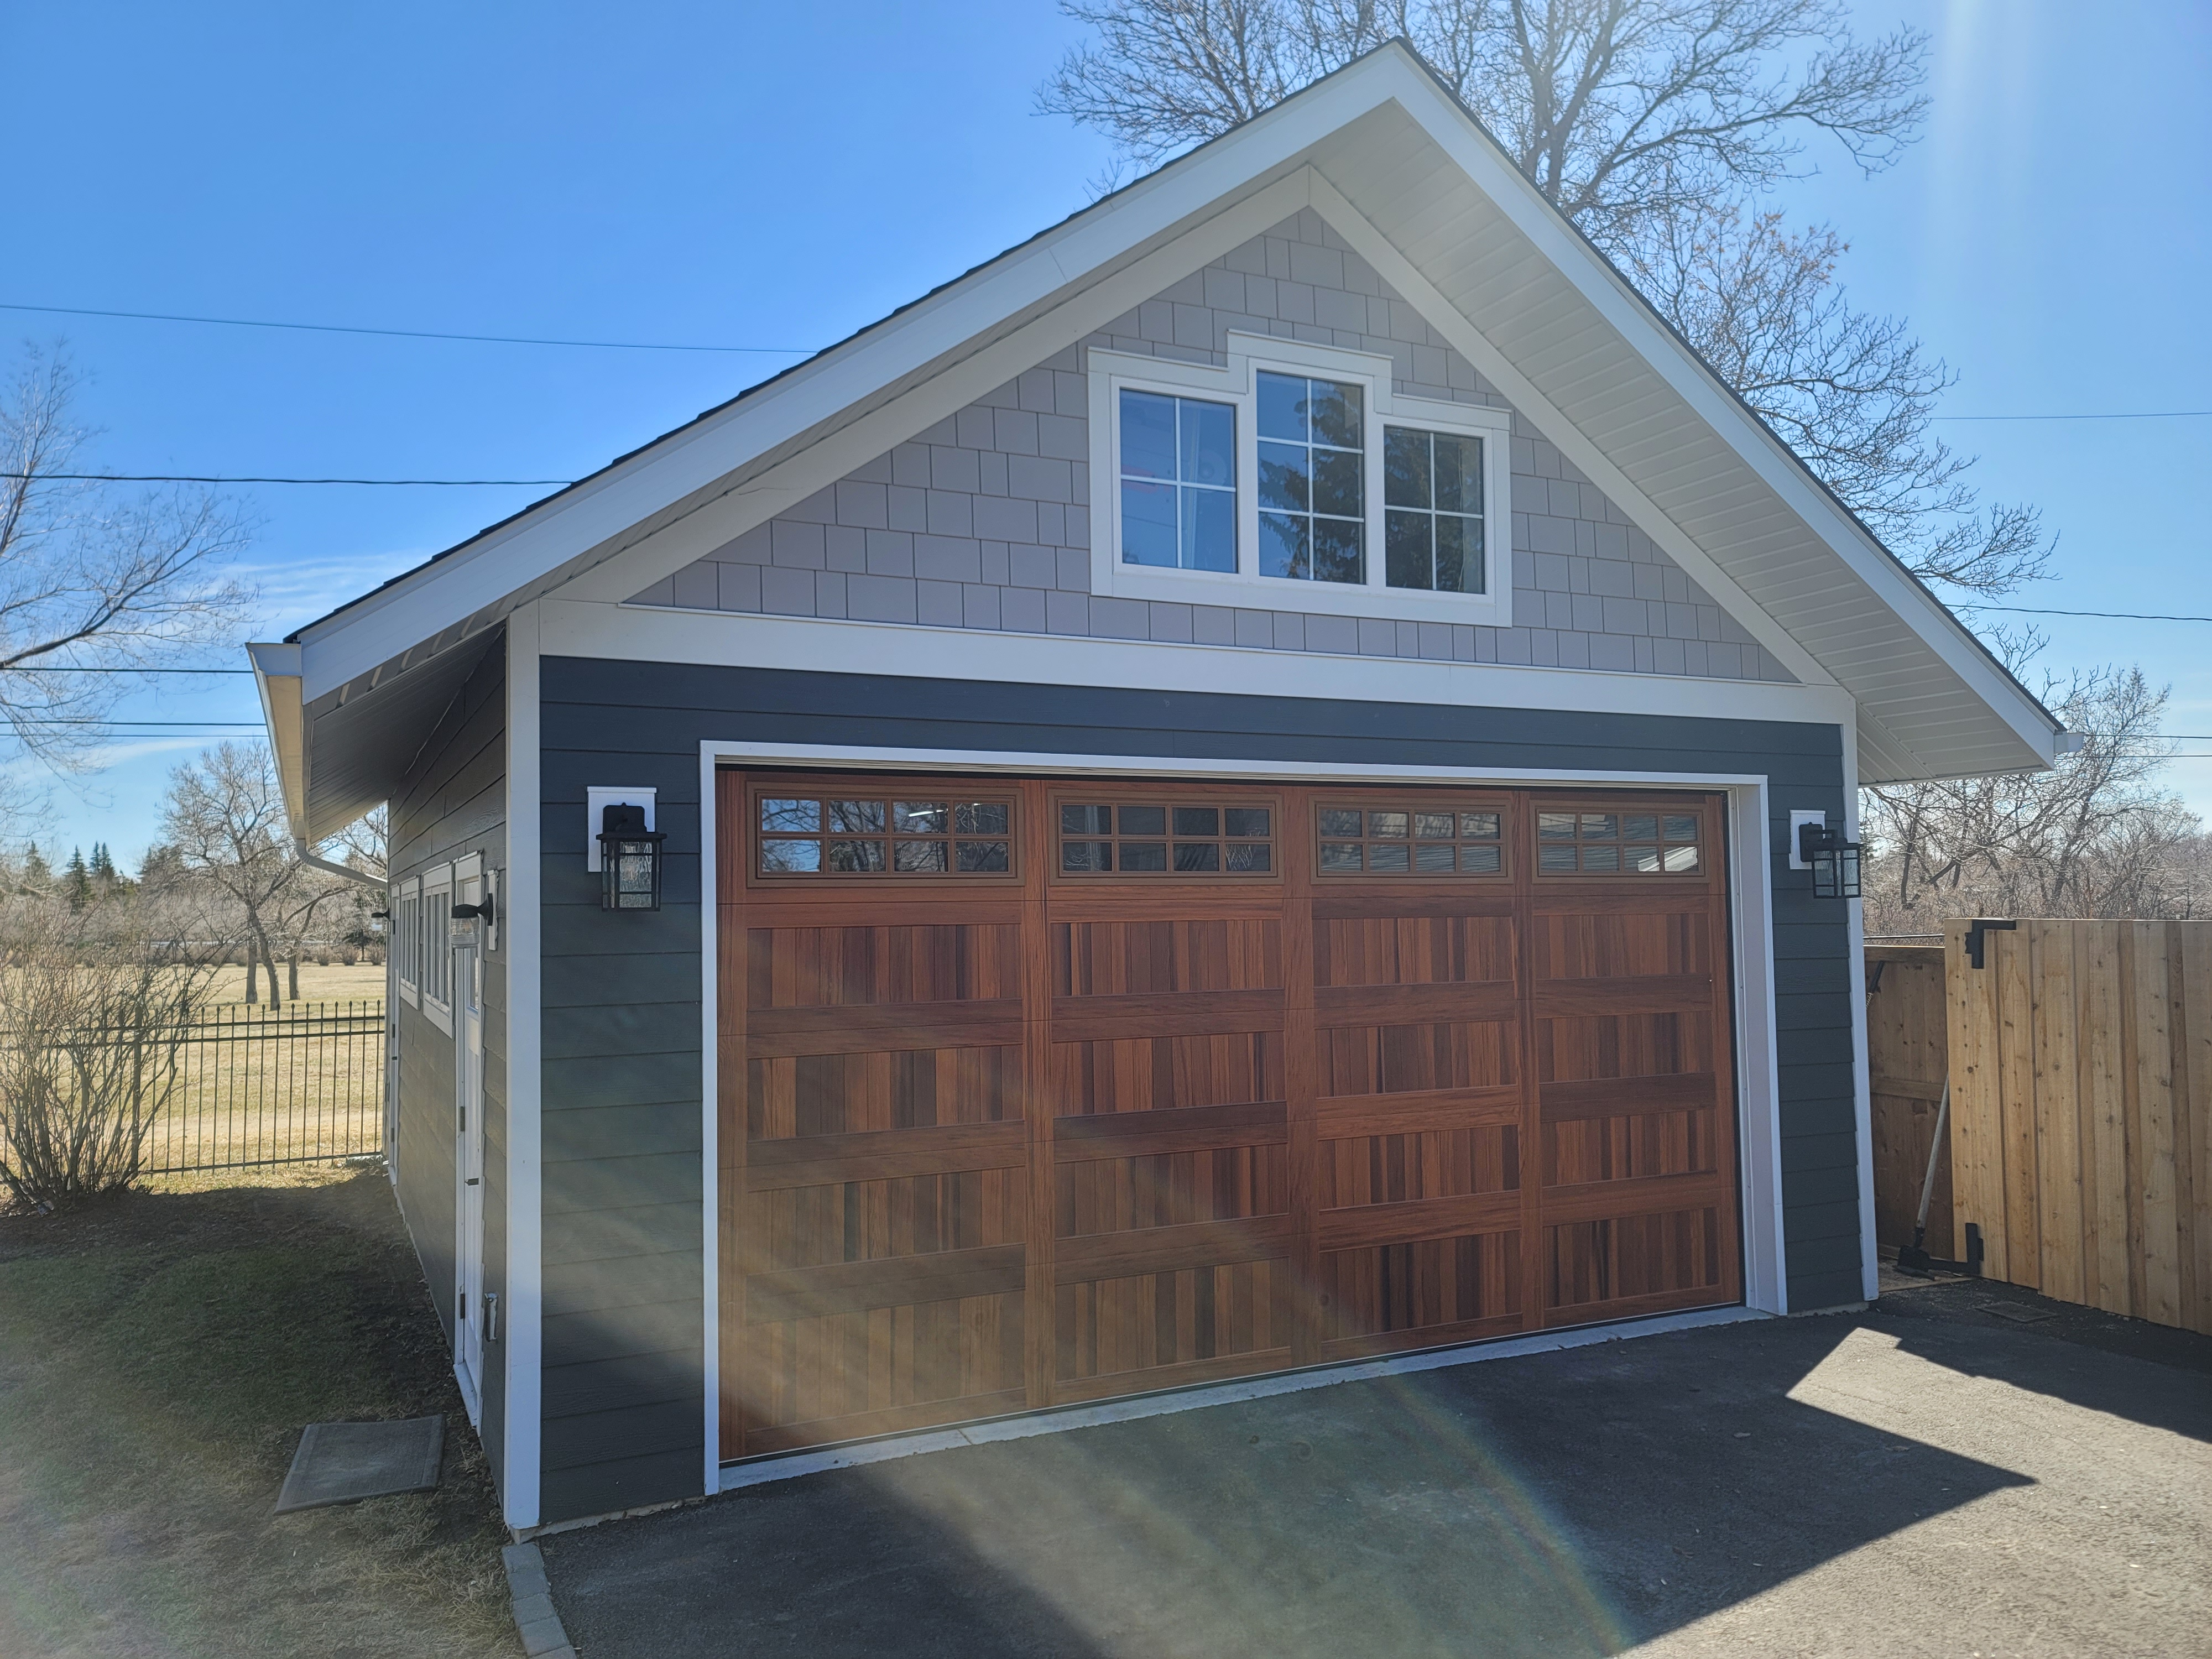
{"type": "Point", "coordinates": [625, 1194]}
{"type": "Point", "coordinates": [984, 519]}
{"type": "Point", "coordinates": [453, 803]}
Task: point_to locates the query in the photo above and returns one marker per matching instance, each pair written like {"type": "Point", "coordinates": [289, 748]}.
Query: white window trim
{"type": "Point", "coordinates": [437, 954]}
{"type": "Point", "coordinates": [406, 927]}
{"type": "Point", "coordinates": [1111, 371]}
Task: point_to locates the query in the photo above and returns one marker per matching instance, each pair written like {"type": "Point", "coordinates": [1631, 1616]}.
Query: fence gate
{"type": "Point", "coordinates": [302, 1085]}
{"type": "Point", "coordinates": [2080, 1056]}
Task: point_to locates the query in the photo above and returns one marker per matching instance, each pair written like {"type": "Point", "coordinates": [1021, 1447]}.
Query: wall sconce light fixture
{"type": "Point", "coordinates": [1835, 861]}
{"type": "Point", "coordinates": [630, 859]}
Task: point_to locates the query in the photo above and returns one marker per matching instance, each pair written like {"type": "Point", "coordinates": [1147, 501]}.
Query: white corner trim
{"type": "Point", "coordinates": [1028, 1425]}
{"type": "Point", "coordinates": [1469, 341]}
{"type": "Point", "coordinates": [1235, 385]}
{"type": "Point", "coordinates": [803, 644]}
{"type": "Point", "coordinates": [524, 926]}
{"type": "Point", "coordinates": [710, 1162]}
{"type": "Point", "coordinates": [1862, 1061]}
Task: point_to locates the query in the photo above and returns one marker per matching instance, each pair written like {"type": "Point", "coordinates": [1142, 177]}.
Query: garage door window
{"type": "Point", "coordinates": [1617, 844]}
{"type": "Point", "coordinates": [1166, 838]}
{"type": "Point", "coordinates": [1406, 839]}
{"type": "Point", "coordinates": [887, 836]}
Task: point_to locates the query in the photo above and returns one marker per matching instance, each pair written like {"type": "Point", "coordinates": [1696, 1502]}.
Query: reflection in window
{"type": "Point", "coordinates": [1178, 482]}
{"type": "Point", "coordinates": [1165, 838]}
{"type": "Point", "coordinates": [1410, 840]}
{"type": "Point", "coordinates": [1617, 844]}
{"type": "Point", "coordinates": [1432, 511]}
{"type": "Point", "coordinates": [874, 834]}
{"type": "Point", "coordinates": [1312, 482]}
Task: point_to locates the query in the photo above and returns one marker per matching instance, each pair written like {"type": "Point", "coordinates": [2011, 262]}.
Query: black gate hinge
{"type": "Point", "coordinates": [1974, 940]}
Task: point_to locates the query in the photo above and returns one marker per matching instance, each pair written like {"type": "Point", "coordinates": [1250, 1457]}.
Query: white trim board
{"type": "Point", "coordinates": [525, 1261]}
{"type": "Point", "coordinates": [1758, 1140]}
{"type": "Point", "coordinates": [809, 644]}
{"type": "Point", "coordinates": [790, 1466]}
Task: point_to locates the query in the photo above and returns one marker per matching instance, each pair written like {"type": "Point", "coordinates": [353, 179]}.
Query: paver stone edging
{"type": "Point", "coordinates": [540, 1626]}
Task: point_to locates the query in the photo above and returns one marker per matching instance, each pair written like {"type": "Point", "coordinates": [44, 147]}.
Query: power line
{"type": "Point", "coordinates": [193, 478]}
{"type": "Point", "coordinates": [56, 668]}
{"type": "Point", "coordinates": [407, 333]}
{"type": "Point", "coordinates": [2117, 615]}
{"type": "Point", "coordinates": [2124, 414]}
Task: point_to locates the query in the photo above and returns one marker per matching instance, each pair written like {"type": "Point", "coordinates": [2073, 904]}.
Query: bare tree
{"type": "Point", "coordinates": [224, 823]}
{"type": "Point", "coordinates": [2094, 836]}
{"type": "Point", "coordinates": [1654, 124]}
{"type": "Point", "coordinates": [90, 578]}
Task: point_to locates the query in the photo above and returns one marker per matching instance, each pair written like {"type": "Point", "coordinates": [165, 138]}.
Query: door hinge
{"type": "Point", "coordinates": [471, 1181]}
{"type": "Point", "coordinates": [461, 1307]}
{"type": "Point", "coordinates": [491, 1315]}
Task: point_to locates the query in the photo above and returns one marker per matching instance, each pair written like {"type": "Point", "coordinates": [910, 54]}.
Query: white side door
{"type": "Point", "coordinates": [469, 1153]}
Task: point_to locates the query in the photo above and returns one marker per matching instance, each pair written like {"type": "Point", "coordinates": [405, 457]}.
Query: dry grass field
{"type": "Point", "coordinates": [334, 983]}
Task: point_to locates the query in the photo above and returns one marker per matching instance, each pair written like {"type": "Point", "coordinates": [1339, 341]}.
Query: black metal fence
{"type": "Point", "coordinates": [298, 1085]}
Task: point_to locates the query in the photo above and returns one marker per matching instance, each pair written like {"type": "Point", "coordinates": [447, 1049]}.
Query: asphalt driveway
{"type": "Point", "coordinates": [1926, 1478]}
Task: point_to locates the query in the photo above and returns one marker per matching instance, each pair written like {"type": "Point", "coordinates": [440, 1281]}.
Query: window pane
{"type": "Point", "coordinates": [1198, 821]}
{"type": "Point", "coordinates": [1340, 855]}
{"type": "Point", "coordinates": [1459, 555]}
{"type": "Point", "coordinates": [1209, 530]}
{"type": "Point", "coordinates": [1458, 474]}
{"type": "Point", "coordinates": [1385, 823]}
{"type": "Point", "coordinates": [1197, 855]}
{"type": "Point", "coordinates": [1082, 855]}
{"type": "Point", "coordinates": [1086, 820]}
{"type": "Point", "coordinates": [1283, 546]}
{"type": "Point", "coordinates": [1283, 483]}
{"type": "Point", "coordinates": [1340, 821]}
{"type": "Point", "coordinates": [1555, 857]}
{"type": "Point", "coordinates": [1432, 857]}
{"type": "Point", "coordinates": [980, 819]}
{"type": "Point", "coordinates": [856, 855]}
{"type": "Point", "coordinates": [1600, 858]}
{"type": "Point", "coordinates": [1433, 826]}
{"type": "Point", "coordinates": [1680, 860]}
{"type": "Point", "coordinates": [1143, 855]}
{"type": "Point", "coordinates": [918, 855]}
{"type": "Point", "coordinates": [1148, 523]}
{"type": "Point", "coordinates": [1645, 861]}
{"type": "Point", "coordinates": [1682, 827]}
{"type": "Point", "coordinates": [1478, 826]}
{"type": "Point", "coordinates": [1246, 821]}
{"type": "Point", "coordinates": [1209, 443]}
{"type": "Point", "coordinates": [1336, 550]}
{"type": "Point", "coordinates": [920, 817]}
{"type": "Point", "coordinates": [1283, 407]}
{"type": "Point", "coordinates": [1550, 825]}
{"type": "Point", "coordinates": [1143, 820]}
{"type": "Point", "coordinates": [1405, 557]}
{"type": "Point", "coordinates": [1387, 857]}
{"type": "Point", "coordinates": [853, 817]}
{"type": "Point", "coordinates": [1336, 482]}
{"type": "Point", "coordinates": [1405, 467]}
{"type": "Point", "coordinates": [1336, 414]}
{"type": "Point", "coordinates": [1250, 856]}
{"type": "Point", "coordinates": [1481, 860]}
{"type": "Point", "coordinates": [973, 855]}
{"type": "Point", "coordinates": [1148, 435]}
{"type": "Point", "coordinates": [791, 814]}
{"type": "Point", "coordinates": [1640, 826]}
{"type": "Point", "coordinates": [1598, 824]}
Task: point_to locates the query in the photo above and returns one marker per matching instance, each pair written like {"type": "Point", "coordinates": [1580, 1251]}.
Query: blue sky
{"type": "Point", "coordinates": [774, 176]}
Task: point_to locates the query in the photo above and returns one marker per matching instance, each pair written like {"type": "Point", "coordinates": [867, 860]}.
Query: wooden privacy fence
{"type": "Point", "coordinates": [1907, 1059]}
{"type": "Point", "coordinates": [2080, 1066]}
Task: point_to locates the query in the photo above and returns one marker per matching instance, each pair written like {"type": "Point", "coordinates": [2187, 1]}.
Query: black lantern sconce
{"type": "Point", "coordinates": [1835, 861]}
{"type": "Point", "coordinates": [630, 859]}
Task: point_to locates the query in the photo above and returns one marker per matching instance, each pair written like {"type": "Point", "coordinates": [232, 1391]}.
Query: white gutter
{"type": "Point", "coordinates": [276, 676]}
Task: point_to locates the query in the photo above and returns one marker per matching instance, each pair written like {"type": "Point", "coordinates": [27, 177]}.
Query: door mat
{"type": "Point", "coordinates": [345, 1462]}
{"type": "Point", "coordinates": [2020, 1313]}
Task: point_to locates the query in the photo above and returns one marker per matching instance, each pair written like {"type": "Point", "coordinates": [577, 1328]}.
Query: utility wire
{"type": "Point", "coordinates": [2119, 615]}
{"type": "Point", "coordinates": [407, 333]}
{"type": "Point", "coordinates": [192, 477]}
{"type": "Point", "coordinates": [2126, 415]}
{"type": "Point", "coordinates": [56, 668]}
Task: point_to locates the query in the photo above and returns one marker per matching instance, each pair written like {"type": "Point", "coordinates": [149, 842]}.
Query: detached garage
{"type": "Point", "coordinates": [1226, 794]}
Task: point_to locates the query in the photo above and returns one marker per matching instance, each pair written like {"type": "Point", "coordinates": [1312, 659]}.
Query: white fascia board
{"type": "Point", "coordinates": [482, 574]}
{"type": "Point", "coordinates": [1470, 343]}
{"type": "Point", "coordinates": [1609, 292]}
{"type": "Point", "coordinates": [277, 678]}
{"type": "Point", "coordinates": [805, 644]}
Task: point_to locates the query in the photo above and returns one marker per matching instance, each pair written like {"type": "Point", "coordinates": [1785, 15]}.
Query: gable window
{"type": "Point", "coordinates": [1178, 482]}
{"type": "Point", "coordinates": [1432, 510]}
{"type": "Point", "coordinates": [1296, 477]}
{"type": "Point", "coordinates": [1312, 479]}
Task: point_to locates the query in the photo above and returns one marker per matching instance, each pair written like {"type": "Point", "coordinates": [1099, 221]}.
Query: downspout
{"type": "Point", "coordinates": [380, 883]}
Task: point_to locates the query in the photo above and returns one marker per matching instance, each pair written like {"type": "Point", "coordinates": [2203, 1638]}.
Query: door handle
{"type": "Point", "coordinates": [470, 1181]}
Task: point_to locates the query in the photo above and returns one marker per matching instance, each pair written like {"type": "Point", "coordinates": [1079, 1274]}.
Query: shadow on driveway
{"type": "Point", "coordinates": [1572, 1502]}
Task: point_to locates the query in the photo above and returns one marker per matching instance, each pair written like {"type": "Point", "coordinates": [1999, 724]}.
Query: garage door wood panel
{"type": "Point", "coordinates": [1319, 1073]}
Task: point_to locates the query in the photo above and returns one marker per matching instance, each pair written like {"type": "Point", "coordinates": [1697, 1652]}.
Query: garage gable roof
{"type": "Point", "coordinates": [1395, 161]}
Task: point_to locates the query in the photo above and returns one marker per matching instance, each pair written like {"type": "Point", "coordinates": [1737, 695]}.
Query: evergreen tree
{"type": "Point", "coordinates": [76, 881]}
{"type": "Point", "coordinates": [37, 875]}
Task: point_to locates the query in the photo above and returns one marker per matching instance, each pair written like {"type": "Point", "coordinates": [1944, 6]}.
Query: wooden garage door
{"type": "Point", "coordinates": [1035, 1092]}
